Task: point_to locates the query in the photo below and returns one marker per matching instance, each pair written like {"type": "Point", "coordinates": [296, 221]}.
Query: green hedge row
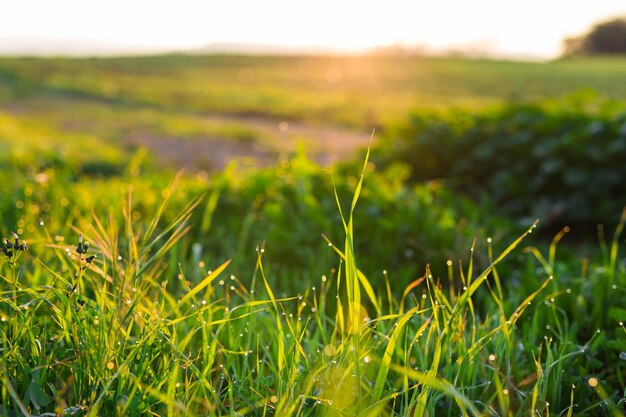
{"type": "Point", "coordinates": [564, 163]}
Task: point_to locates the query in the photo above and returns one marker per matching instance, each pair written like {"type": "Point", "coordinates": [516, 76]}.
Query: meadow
{"type": "Point", "coordinates": [309, 278]}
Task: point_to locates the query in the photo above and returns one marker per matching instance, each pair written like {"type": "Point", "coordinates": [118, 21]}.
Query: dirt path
{"type": "Point", "coordinates": [324, 144]}
{"type": "Point", "coordinates": [266, 138]}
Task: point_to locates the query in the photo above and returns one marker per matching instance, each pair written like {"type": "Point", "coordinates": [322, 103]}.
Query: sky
{"type": "Point", "coordinates": [505, 28]}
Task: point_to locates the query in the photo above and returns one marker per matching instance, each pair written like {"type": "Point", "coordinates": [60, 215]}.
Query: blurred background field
{"type": "Point", "coordinates": [458, 146]}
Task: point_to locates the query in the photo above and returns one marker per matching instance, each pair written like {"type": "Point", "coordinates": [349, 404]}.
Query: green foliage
{"type": "Point", "coordinates": [116, 335]}
{"type": "Point", "coordinates": [289, 208]}
{"type": "Point", "coordinates": [285, 209]}
{"type": "Point", "coordinates": [128, 294]}
{"type": "Point", "coordinates": [560, 162]}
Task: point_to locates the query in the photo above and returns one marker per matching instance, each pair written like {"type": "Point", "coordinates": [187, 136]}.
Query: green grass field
{"type": "Point", "coordinates": [299, 287]}
{"type": "Point", "coordinates": [363, 92]}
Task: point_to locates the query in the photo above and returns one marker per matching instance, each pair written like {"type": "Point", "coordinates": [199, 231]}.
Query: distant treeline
{"type": "Point", "coordinates": [608, 37]}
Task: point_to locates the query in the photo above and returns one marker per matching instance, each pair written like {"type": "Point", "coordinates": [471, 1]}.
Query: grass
{"type": "Point", "coordinates": [119, 335]}
{"type": "Point", "coordinates": [285, 291]}
{"type": "Point", "coordinates": [357, 91]}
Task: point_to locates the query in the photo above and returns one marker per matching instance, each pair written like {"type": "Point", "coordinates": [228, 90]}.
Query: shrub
{"type": "Point", "coordinates": [289, 207]}
{"type": "Point", "coordinates": [563, 164]}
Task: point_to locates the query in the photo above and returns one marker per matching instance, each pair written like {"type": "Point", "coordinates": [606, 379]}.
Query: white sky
{"type": "Point", "coordinates": [502, 27]}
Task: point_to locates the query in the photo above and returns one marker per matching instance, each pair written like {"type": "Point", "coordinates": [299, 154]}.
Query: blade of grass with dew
{"type": "Point", "coordinates": [205, 282]}
{"type": "Point", "coordinates": [513, 318]}
{"type": "Point", "coordinates": [367, 286]}
{"type": "Point", "coordinates": [483, 276]}
{"type": "Point", "coordinates": [279, 325]}
{"type": "Point", "coordinates": [169, 192]}
{"type": "Point", "coordinates": [438, 384]}
{"type": "Point", "coordinates": [385, 363]}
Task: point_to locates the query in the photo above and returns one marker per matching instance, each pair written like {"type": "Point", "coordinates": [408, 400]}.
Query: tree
{"type": "Point", "coordinates": [608, 37]}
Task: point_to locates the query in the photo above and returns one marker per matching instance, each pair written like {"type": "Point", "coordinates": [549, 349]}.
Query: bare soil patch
{"type": "Point", "coordinates": [324, 144]}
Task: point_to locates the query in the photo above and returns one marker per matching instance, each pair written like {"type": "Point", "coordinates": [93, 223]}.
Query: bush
{"type": "Point", "coordinates": [289, 207]}
{"type": "Point", "coordinates": [607, 37]}
{"type": "Point", "coordinates": [563, 164]}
